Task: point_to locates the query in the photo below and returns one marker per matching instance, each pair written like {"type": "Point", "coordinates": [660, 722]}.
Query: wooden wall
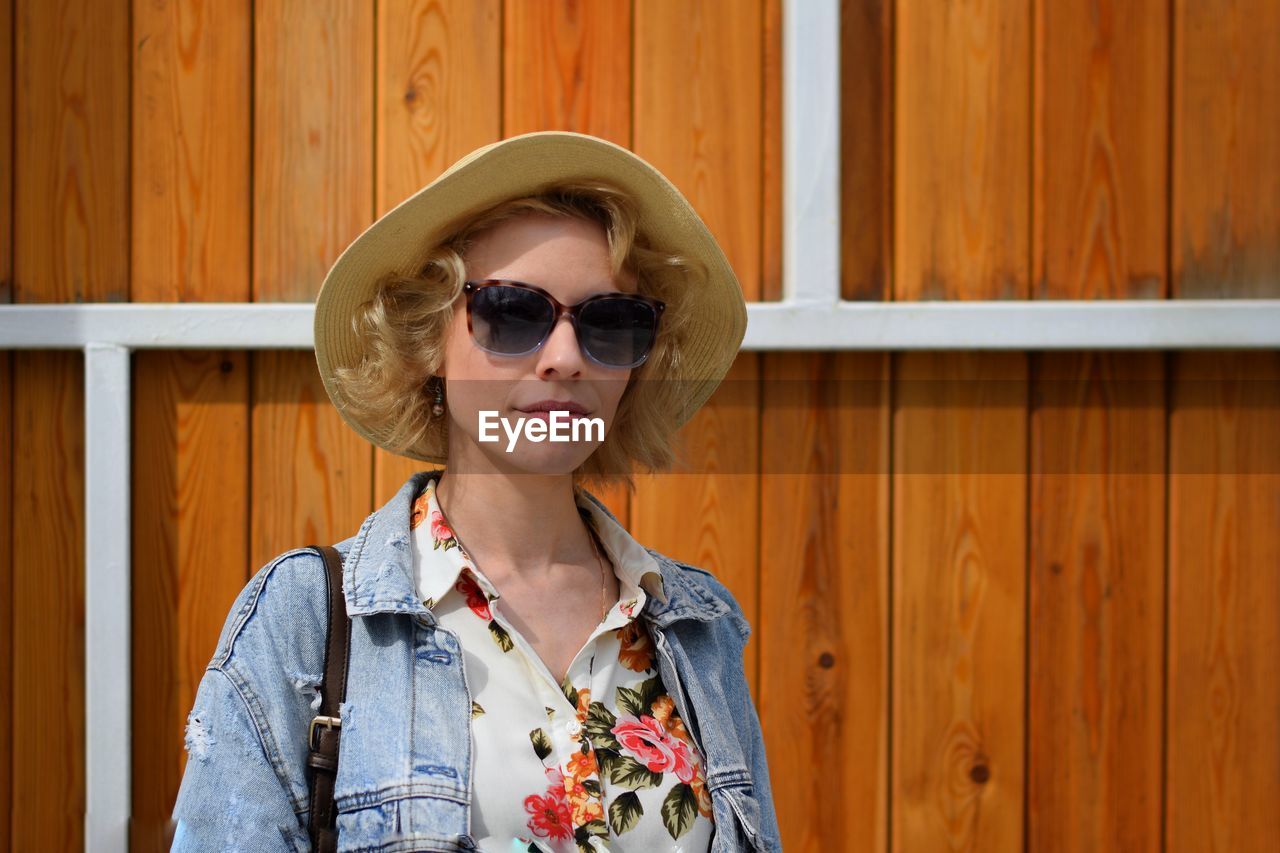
{"type": "Point", "coordinates": [1001, 600]}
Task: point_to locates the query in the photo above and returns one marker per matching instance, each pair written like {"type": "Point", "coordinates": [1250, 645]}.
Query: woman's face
{"type": "Point", "coordinates": [568, 258]}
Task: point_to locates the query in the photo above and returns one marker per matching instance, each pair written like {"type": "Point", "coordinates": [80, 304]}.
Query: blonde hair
{"type": "Point", "coordinates": [402, 332]}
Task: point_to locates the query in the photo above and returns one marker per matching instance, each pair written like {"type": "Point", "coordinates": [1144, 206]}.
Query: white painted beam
{"type": "Point", "coordinates": [811, 152]}
{"type": "Point", "coordinates": [958, 325]}
{"type": "Point", "coordinates": [1105, 324]}
{"type": "Point", "coordinates": [158, 325]}
{"type": "Point", "coordinates": [107, 591]}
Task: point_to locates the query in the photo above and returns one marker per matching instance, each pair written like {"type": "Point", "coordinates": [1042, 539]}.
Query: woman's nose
{"type": "Point", "coordinates": [561, 352]}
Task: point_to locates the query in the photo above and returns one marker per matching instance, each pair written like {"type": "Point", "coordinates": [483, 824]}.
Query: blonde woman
{"type": "Point", "coordinates": [522, 673]}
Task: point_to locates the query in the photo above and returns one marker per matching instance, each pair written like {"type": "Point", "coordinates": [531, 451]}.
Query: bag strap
{"type": "Point", "coordinates": [326, 728]}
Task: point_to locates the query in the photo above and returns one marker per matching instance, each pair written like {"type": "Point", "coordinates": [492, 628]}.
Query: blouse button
{"type": "Point", "coordinates": [573, 727]}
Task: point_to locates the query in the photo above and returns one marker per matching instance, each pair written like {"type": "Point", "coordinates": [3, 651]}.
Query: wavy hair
{"type": "Point", "coordinates": [402, 332]}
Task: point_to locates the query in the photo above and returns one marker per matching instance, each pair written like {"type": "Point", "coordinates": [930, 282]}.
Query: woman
{"type": "Point", "coordinates": [524, 675]}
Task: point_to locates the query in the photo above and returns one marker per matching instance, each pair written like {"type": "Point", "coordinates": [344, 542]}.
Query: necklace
{"type": "Point", "coordinates": [603, 582]}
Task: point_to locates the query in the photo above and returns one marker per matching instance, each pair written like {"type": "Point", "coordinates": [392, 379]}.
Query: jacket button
{"type": "Point", "coordinates": [573, 727]}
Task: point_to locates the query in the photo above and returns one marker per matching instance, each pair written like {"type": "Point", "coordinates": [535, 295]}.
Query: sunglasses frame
{"type": "Point", "coordinates": [470, 288]}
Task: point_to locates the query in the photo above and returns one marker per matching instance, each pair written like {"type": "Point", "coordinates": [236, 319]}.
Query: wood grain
{"type": "Point", "coordinates": [1224, 603]}
{"type": "Point", "coordinates": [961, 198]}
{"type": "Point", "coordinates": [959, 587]}
{"type": "Point", "coordinates": [1222, 742]}
{"type": "Point", "coordinates": [48, 596]}
{"type": "Point", "coordinates": [567, 66]}
{"type": "Point", "coordinates": [824, 598]}
{"type": "Point", "coordinates": [961, 143]}
{"type": "Point", "coordinates": [1225, 219]}
{"type": "Point", "coordinates": [192, 153]}
{"type": "Point", "coordinates": [1095, 674]}
{"type": "Point", "coordinates": [190, 544]}
{"type": "Point", "coordinates": [7, 581]}
{"type": "Point", "coordinates": [191, 150]}
{"type": "Point", "coordinates": [70, 243]}
{"type": "Point", "coordinates": [71, 151]}
{"type": "Point", "coordinates": [6, 417]}
{"type": "Point", "coordinates": [439, 79]}
{"type": "Point", "coordinates": [771, 136]}
{"type": "Point", "coordinates": [1095, 686]}
{"type": "Point", "coordinates": [312, 475]}
{"type": "Point", "coordinates": [6, 175]}
{"type": "Point", "coordinates": [866, 149]}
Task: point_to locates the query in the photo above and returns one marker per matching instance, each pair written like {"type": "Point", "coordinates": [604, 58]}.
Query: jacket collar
{"type": "Point", "coordinates": [377, 575]}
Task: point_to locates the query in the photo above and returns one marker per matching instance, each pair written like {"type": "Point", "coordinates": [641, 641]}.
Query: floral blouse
{"type": "Point", "coordinates": [600, 761]}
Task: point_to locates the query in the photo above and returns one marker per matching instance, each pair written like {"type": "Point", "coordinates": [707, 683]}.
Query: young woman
{"type": "Point", "coordinates": [523, 674]}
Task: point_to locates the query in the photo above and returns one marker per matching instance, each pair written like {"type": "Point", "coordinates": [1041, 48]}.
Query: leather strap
{"type": "Point", "coordinates": [325, 732]}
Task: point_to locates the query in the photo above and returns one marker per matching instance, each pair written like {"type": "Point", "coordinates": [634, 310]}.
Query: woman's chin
{"type": "Point", "coordinates": [544, 460]}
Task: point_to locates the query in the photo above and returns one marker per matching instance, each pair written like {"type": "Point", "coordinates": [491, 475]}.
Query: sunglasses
{"type": "Point", "coordinates": [513, 318]}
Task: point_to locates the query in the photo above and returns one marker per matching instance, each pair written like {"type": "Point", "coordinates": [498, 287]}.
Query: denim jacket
{"type": "Point", "coordinates": [403, 778]}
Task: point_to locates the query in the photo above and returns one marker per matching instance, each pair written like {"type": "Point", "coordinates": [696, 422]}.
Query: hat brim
{"type": "Point", "coordinates": [399, 242]}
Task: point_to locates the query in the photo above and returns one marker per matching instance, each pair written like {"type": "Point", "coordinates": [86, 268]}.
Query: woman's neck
{"type": "Point", "coordinates": [515, 522]}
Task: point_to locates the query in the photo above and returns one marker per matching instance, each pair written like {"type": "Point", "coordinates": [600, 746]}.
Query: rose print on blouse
{"type": "Point", "coordinates": [478, 601]}
{"type": "Point", "coordinates": [549, 813]}
{"type": "Point", "coordinates": [648, 742]}
{"type": "Point", "coordinates": [636, 652]}
{"type": "Point", "coordinates": [572, 805]}
{"type": "Point", "coordinates": [645, 745]}
{"type": "Point", "coordinates": [441, 534]}
{"type": "Point", "coordinates": [420, 505]}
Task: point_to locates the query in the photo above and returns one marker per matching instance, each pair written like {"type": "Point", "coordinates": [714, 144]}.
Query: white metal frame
{"type": "Point", "coordinates": [811, 317]}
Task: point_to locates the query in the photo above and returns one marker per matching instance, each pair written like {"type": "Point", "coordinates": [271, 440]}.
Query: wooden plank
{"type": "Point", "coordinates": [567, 66]}
{"type": "Point", "coordinates": [190, 541]}
{"type": "Point", "coordinates": [1226, 132]}
{"type": "Point", "coordinates": [1095, 689]}
{"type": "Point", "coordinates": [961, 141]}
{"type": "Point", "coordinates": [71, 160]}
{"type": "Point", "coordinates": [1223, 743]}
{"type": "Point", "coordinates": [48, 601]}
{"type": "Point", "coordinates": [824, 604]}
{"type": "Point", "coordinates": [313, 193]}
{"type": "Point", "coordinates": [958, 591]}
{"type": "Point", "coordinates": [6, 171]}
{"type": "Point", "coordinates": [697, 117]}
{"type": "Point", "coordinates": [71, 184]}
{"type": "Point", "coordinates": [6, 415]}
{"type": "Point", "coordinates": [1095, 704]}
{"type": "Point", "coordinates": [7, 581]}
{"type": "Point", "coordinates": [866, 149]}
{"type": "Point", "coordinates": [771, 118]}
{"type": "Point", "coordinates": [961, 167]}
{"type": "Point", "coordinates": [191, 150]}
{"type": "Point", "coordinates": [438, 99]}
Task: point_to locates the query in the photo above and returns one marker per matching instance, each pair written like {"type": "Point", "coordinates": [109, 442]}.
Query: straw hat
{"type": "Point", "coordinates": [521, 165]}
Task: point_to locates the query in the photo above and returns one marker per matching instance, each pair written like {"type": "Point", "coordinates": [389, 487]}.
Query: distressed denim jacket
{"type": "Point", "coordinates": [404, 772]}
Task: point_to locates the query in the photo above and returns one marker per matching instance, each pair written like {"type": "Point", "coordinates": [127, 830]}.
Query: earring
{"type": "Point", "coordinates": [437, 401]}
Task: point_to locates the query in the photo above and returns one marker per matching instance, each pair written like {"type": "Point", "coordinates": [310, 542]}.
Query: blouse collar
{"type": "Point", "coordinates": [439, 557]}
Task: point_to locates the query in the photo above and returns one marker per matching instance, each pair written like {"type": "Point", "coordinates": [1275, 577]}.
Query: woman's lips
{"type": "Point", "coordinates": [565, 416]}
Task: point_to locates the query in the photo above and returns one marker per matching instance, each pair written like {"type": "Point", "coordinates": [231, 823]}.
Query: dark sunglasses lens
{"type": "Point", "coordinates": [509, 320]}
{"type": "Point", "coordinates": [618, 331]}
